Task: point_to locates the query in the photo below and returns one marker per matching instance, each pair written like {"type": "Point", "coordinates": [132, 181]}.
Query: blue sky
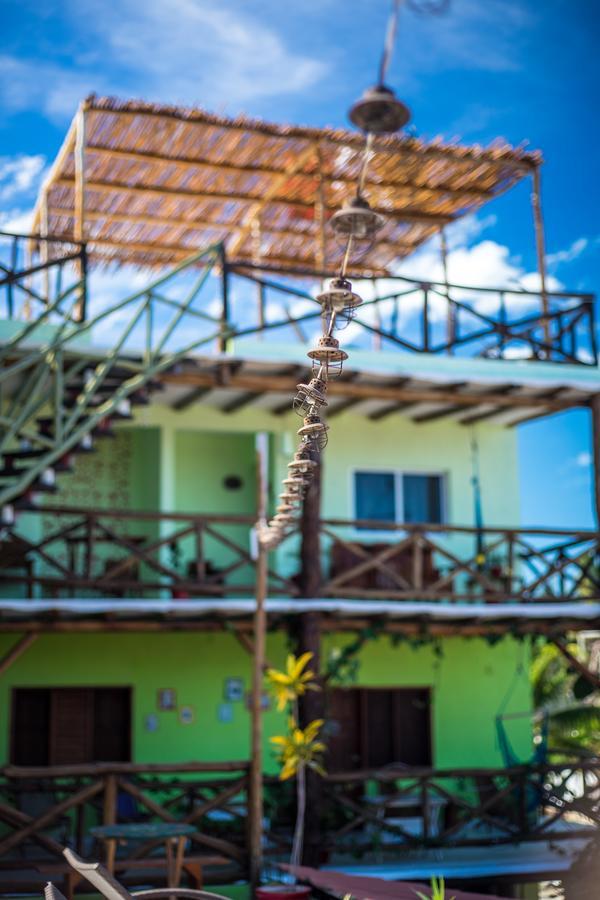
{"type": "Point", "coordinates": [520, 69]}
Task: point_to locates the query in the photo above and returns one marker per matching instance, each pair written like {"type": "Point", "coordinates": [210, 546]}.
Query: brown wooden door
{"type": "Point", "coordinates": [343, 721]}
{"type": "Point", "coordinates": [66, 726]}
{"type": "Point", "coordinates": [376, 727]}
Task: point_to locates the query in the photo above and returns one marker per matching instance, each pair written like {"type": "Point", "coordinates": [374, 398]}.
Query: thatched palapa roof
{"type": "Point", "coordinates": [150, 184]}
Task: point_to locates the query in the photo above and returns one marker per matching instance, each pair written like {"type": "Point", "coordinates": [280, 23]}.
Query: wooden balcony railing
{"type": "Point", "coordinates": [461, 807]}
{"type": "Point", "coordinates": [450, 562]}
{"type": "Point", "coordinates": [38, 274]}
{"type": "Point", "coordinates": [415, 316]}
{"type": "Point", "coordinates": [120, 553]}
{"type": "Point", "coordinates": [43, 809]}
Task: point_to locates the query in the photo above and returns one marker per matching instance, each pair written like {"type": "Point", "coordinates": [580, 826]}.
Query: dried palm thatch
{"type": "Point", "coordinates": [150, 184]}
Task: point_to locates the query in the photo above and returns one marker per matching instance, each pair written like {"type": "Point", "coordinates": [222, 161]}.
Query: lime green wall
{"type": "Point", "coordinates": [357, 442]}
{"type": "Point", "coordinates": [468, 685]}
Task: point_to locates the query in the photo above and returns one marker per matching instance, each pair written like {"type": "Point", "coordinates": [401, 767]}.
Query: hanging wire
{"type": "Point", "coordinates": [390, 40]}
{"type": "Point", "coordinates": [280, 526]}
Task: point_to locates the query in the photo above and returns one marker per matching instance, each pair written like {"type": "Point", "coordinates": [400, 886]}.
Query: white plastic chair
{"type": "Point", "coordinates": [110, 888]}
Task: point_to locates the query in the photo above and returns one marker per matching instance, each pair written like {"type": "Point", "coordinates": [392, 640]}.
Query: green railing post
{"type": "Point", "coordinates": [222, 342]}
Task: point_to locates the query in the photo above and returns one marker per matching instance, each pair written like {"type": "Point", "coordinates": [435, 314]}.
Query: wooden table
{"type": "Point", "coordinates": [172, 833]}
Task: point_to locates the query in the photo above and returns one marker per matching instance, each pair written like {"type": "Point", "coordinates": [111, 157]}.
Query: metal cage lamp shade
{"type": "Point", "coordinates": [310, 395]}
{"type": "Point", "coordinates": [302, 463]}
{"type": "Point", "coordinates": [296, 485]}
{"type": "Point", "coordinates": [379, 111]}
{"type": "Point", "coordinates": [356, 219]}
{"type": "Point", "coordinates": [328, 356]}
{"type": "Point", "coordinates": [315, 432]}
{"type": "Point", "coordinates": [339, 298]}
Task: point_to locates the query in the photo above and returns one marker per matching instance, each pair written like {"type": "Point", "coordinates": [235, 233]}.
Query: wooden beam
{"type": "Point", "coordinates": [191, 397]}
{"type": "Point", "coordinates": [342, 407]}
{"type": "Point", "coordinates": [540, 243]}
{"type": "Point", "coordinates": [239, 402]}
{"type": "Point", "coordinates": [592, 677]}
{"type": "Point", "coordinates": [393, 393]}
{"type": "Point", "coordinates": [480, 416]}
{"type": "Point", "coordinates": [403, 215]}
{"type": "Point", "coordinates": [389, 410]}
{"type": "Point", "coordinates": [436, 414]}
{"type": "Point", "coordinates": [406, 145]}
{"type": "Point", "coordinates": [187, 163]}
{"type": "Point", "coordinates": [16, 651]}
{"type": "Point", "coordinates": [80, 180]}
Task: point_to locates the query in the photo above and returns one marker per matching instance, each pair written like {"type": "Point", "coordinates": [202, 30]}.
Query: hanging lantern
{"type": "Point", "coordinates": [341, 299]}
{"type": "Point", "coordinates": [310, 395]}
{"type": "Point", "coordinates": [379, 111]}
{"type": "Point", "coordinates": [356, 219]}
{"type": "Point", "coordinates": [302, 463]}
{"type": "Point", "coordinates": [296, 485]}
{"type": "Point", "coordinates": [315, 432]}
{"type": "Point", "coordinates": [328, 357]}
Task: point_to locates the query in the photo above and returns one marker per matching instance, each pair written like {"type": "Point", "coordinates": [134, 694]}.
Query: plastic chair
{"type": "Point", "coordinates": [110, 888]}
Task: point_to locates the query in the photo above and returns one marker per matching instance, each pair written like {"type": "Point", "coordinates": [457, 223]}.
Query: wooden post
{"type": "Point", "coordinates": [450, 312]}
{"type": "Point", "coordinates": [255, 794]}
{"type": "Point", "coordinates": [79, 205]}
{"type": "Point", "coordinates": [321, 240]}
{"type": "Point", "coordinates": [16, 651]}
{"type": "Point", "coordinates": [540, 243]}
{"type": "Point", "coordinates": [595, 413]}
{"type": "Point", "coordinates": [260, 288]}
{"type": "Point", "coordinates": [312, 705]}
{"type": "Point", "coordinates": [44, 244]}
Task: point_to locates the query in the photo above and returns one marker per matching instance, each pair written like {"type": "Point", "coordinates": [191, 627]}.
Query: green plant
{"type": "Point", "coordinates": [438, 890]}
{"type": "Point", "coordinates": [298, 749]}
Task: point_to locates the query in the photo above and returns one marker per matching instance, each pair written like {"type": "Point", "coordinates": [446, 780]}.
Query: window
{"type": "Point", "coordinates": [399, 497]}
{"type": "Point", "coordinates": [374, 727]}
{"type": "Point", "coordinates": [65, 726]}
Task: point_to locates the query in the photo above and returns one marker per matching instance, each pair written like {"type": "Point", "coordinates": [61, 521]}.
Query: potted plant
{"type": "Point", "coordinates": [298, 749]}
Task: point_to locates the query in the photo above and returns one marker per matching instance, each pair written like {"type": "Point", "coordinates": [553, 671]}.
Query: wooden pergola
{"type": "Point", "coordinates": [149, 184]}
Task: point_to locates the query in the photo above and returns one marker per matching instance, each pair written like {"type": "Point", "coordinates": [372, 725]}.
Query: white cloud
{"type": "Point", "coordinates": [187, 51]}
{"type": "Point", "coordinates": [19, 175]}
{"type": "Point", "coordinates": [583, 459]}
{"type": "Point", "coordinates": [566, 256]}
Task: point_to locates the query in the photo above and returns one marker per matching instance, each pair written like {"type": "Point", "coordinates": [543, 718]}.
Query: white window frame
{"type": "Point", "coordinates": [398, 493]}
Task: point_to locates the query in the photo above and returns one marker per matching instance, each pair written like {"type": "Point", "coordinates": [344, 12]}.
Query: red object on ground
{"type": "Point", "coordinates": [283, 892]}
{"type": "Point", "coordinates": [363, 887]}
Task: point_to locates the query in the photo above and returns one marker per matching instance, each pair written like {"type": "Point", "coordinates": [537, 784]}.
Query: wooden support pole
{"type": "Point", "coordinates": [308, 636]}
{"type": "Point", "coordinates": [592, 677]}
{"type": "Point", "coordinates": [540, 243]}
{"type": "Point", "coordinates": [321, 240]}
{"type": "Point", "coordinates": [79, 204]}
{"type": "Point", "coordinates": [451, 311]}
{"type": "Point", "coordinates": [16, 651]}
{"type": "Point", "coordinates": [255, 798]}
{"type": "Point", "coordinates": [595, 414]}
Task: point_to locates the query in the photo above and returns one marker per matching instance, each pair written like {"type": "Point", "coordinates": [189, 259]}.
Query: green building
{"type": "Point", "coordinates": [129, 490]}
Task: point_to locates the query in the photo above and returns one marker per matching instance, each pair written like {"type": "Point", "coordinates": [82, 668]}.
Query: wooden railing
{"type": "Point", "coordinates": [421, 316]}
{"type": "Point", "coordinates": [368, 559]}
{"type": "Point", "coordinates": [126, 553]}
{"type": "Point", "coordinates": [370, 810]}
{"type": "Point", "coordinates": [119, 553]}
{"type": "Point", "coordinates": [38, 273]}
{"type": "Point", "coordinates": [44, 809]}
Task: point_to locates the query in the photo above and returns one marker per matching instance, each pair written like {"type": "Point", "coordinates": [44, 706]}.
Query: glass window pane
{"type": "Point", "coordinates": [375, 496]}
{"type": "Point", "coordinates": [422, 498]}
